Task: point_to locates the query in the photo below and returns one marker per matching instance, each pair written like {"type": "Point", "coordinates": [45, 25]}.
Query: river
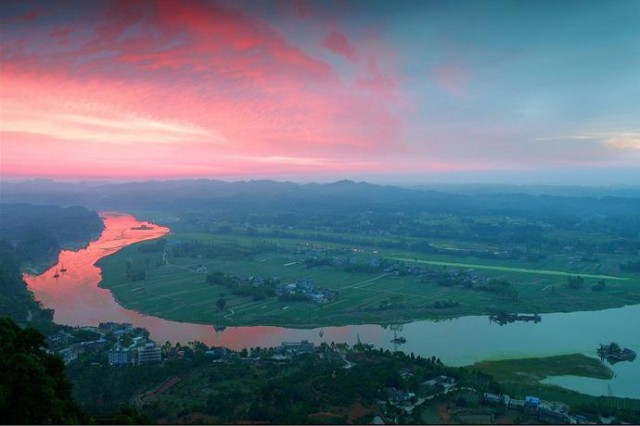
{"type": "Point", "coordinates": [78, 300]}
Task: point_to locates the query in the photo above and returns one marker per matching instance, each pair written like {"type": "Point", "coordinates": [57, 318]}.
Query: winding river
{"type": "Point", "coordinates": [78, 300]}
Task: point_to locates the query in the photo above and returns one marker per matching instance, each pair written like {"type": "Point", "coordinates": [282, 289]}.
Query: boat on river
{"type": "Point", "coordinates": [614, 353]}
{"type": "Point", "coordinates": [56, 274]}
{"type": "Point", "coordinates": [143, 227]}
{"type": "Point", "coordinates": [399, 340]}
{"type": "Point", "coordinates": [503, 318]}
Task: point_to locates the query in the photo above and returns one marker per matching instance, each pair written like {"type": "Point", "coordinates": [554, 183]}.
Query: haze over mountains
{"type": "Point", "coordinates": [217, 194]}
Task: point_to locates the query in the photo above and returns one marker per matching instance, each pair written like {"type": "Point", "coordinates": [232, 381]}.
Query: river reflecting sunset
{"type": "Point", "coordinates": [78, 300]}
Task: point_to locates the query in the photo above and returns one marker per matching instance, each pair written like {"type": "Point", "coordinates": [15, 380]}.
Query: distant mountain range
{"type": "Point", "coordinates": [345, 194]}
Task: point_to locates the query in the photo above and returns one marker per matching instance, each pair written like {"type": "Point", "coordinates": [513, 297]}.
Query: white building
{"type": "Point", "coordinates": [149, 353]}
{"type": "Point", "coordinates": [120, 356]}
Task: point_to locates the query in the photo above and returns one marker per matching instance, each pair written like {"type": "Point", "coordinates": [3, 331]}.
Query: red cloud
{"type": "Point", "coordinates": [229, 83]}
{"type": "Point", "coordinates": [30, 16]}
{"type": "Point", "coordinates": [338, 43]}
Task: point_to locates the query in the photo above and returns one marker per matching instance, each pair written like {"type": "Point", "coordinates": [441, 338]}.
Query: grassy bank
{"type": "Point", "coordinates": [521, 377]}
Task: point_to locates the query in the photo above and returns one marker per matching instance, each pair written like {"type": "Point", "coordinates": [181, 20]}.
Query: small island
{"type": "Point", "coordinates": [143, 227]}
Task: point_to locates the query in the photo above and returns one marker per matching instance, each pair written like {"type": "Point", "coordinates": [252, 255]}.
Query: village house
{"type": "Point", "coordinates": [68, 354]}
{"type": "Point", "coordinates": [306, 285]}
{"type": "Point", "coordinates": [516, 404]}
{"type": "Point", "coordinates": [90, 345]}
{"type": "Point", "coordinates": [218, 353]}
{"type": "Point", "coordinates": [445, 383]}
{"type": "Point", "coordinates": [531, 404]}
{"type": "Point", "coordinates": [405, 373]}
{"type": "Point", "coordinates": [60, 337]}
{"type": "Point", "coordinates": [397, 396]}
{"type": "Point", "coordinates": [303, 346]}
{"type": "Point", "coordinates": [318, 298]}
{"type": "Point", "coordinates": [552, 414]}
{"type": "Point", "coordinates": [492, 398]}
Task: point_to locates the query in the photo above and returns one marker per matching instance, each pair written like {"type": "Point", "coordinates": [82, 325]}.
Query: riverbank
{"type": "Point", "coordinates": [523, 376]}
{"type": "Point", "coordinates": [527, 377]}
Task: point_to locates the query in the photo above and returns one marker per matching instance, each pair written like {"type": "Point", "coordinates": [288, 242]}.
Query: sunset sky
{"type": "Point", "coordinates": [539, 92]}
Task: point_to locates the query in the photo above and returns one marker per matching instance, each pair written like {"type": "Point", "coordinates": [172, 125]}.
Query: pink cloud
{"type": "Point", "coordinates": [452, 79]}
{"type": "Point", "coordinates": [167, 89]}
{"type": "Point", "coordinates": [339, 44]}
{"type": "Point", "coordinates": [31, 15]}
{"type": "Point", "coordinates": [376, 81]}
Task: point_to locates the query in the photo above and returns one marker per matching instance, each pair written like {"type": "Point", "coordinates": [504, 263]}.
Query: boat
{"type": "Point", "coordinates": [63, 269]}
{"type": "Point", "coordinates": [614, 353]}
{"type": "Point", "coordinates": [398, 340]}
{"type": "Point", "coordinates": [321, 333]}
{"type": "Point", "coordinates": [143, 227]}
{"type": "Point", "coordinates": [56, 274]}
{"type": "Point", "coordinates": [503, 318]}
{"type": "Point", "coordinates": [219, 327]}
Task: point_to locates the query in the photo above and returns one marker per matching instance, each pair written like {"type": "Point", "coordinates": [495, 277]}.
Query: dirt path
{"type": "Point", "coordinates": [510, 269]}
{"type": "Point", "coordinates": [167, 384]}
{"type": "Point", "coordinates": [229, 314]}
{"type": "Point", "coordinates": [365, 282]}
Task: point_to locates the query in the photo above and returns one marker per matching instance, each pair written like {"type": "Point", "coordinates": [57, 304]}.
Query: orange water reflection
{"type": "Point", "coordinates": [78, 300]}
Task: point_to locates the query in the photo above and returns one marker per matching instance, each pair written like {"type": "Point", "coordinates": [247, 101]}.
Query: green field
{"type": "Point", "coordinates": [176, 291]}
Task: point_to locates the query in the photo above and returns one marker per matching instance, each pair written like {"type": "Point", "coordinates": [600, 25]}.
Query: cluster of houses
{"type": "Point", "coordinates": [545, 411]}
{"type": "Point", "coordinates": [139, 353]}
{"type": "Point", "coordinates": [294, 348]}
{"type": "Point", "coordinates": [117, 329]}
{"type": "Point", "coordinates": [306, 288]}
{"type": "Point", "coordinates": [58, 338]}
{"type": "Point", "coordinates": [469, 277]}
{"type": "Point", "coordinates": [258, 280]}
{"type": "Point", "coordinates": [438, 385]}
{"type": "Point", "coordinates": [60, 343]}
{"type": "Point", "coordinates": [71, 352]}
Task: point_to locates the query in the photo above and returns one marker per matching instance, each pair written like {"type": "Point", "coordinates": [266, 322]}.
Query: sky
{"type": "Point", "coordinates": [452, 91]}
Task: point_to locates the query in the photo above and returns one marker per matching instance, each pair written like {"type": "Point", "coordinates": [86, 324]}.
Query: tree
{"type": "Point", "coordinates": [33, 388]}
{"type": "Point", "coordinates": [575, 282]}
{"type": "Point", "coordinates": [220, 303]}
{"type": "Point", "coordinates": [601, 285]}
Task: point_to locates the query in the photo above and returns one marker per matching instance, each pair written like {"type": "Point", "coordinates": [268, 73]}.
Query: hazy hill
{"type": "Point", "coordinates": [343, 195]}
